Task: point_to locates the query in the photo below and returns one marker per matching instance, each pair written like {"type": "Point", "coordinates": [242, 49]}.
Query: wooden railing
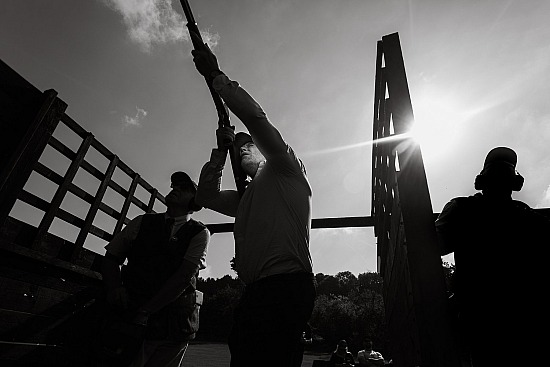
{"type": "Point", "coordinates": [46, 279]}
{"type": "Point", "coordinates": [41, 128]}
{"type": "Point", "coordinates": [66, 185]}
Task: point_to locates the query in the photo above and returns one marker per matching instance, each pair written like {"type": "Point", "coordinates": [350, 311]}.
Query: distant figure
{"type": "Point", "coordinates": [272, 225]}
{"type": "Point", "coordinates": [500, 279]}
{"type": "Point", "coordinates": [306, 339]}
{"type": "Point", "coordinates": [157, 287]}
{"type": "Point", "coordinates": [368, 357]}
{"type": "Point", "coordinates": [341, 357]}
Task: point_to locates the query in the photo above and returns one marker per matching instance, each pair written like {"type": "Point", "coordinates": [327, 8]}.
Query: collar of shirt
{"type": "Point", "coordinates": [178, 222]}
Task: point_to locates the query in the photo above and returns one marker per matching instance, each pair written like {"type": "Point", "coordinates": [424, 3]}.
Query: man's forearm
{"type": "Point", "coordinates": [210, 179]}
{"type": "Point", "coordinates": [173, 288]}
{"type": "Point", "coordinates": [209, 193]}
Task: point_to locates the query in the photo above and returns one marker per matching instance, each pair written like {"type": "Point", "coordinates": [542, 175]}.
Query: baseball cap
{"type": "Point", "coordinates": [241, 138]}
{"type": "Point", "coordinates": [180, 178]}
{"type": "Point", "coordinates": [500, 155]}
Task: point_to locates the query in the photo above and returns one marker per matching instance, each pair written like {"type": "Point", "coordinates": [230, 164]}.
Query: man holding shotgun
{"type": "Point", "coordinates": [272, 224]}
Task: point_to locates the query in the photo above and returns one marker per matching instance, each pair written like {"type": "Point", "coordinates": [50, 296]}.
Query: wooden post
{"type": "Point", "coordinates": [151, 204]}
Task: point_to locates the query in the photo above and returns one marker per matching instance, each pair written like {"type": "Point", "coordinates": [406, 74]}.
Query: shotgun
{"type": "Point", "coordinates": [223, 114]}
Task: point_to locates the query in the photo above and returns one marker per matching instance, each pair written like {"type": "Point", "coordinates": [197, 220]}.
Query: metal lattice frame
{"type": "Point", "coordinates": [408, 259]}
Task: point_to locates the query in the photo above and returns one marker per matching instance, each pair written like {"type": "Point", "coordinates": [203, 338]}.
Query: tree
{"type": "Point", "coordinates": [327, 285]}
{"type": "Point", "coordinates": [216, 314]}
{"type": "Point", "coordinates": [347, 307]}
{"type": "Point", "coordinates": [351, 308]}
{"type": "Point", "coordinates": [334, 318]}
{"type": "Point", "coordinates": [346, 282]}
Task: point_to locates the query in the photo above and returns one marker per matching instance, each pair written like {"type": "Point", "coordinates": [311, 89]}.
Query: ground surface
{"type": "Point", "coordinates": [217, 355]}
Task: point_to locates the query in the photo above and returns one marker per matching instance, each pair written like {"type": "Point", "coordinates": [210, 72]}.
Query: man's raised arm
{"type": "Point", "coordinates": [265, 135]}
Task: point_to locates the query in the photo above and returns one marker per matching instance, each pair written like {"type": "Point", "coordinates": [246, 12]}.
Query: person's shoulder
{"type": "Point", "coordinates": [465, 202]}
{"type": "Point", "coordinates": [521, 205]}
{"type": "Point", "coordinates": [198, 224]}
{"type": "Point", "coordinates": [289, 155]}
{"type": "Point", "coordinates": [136, 221]}
{"type": "Point", "coordinates": [459, 199]}
{"type": "Point", "coordinates": [140, 217]}
{"type": "Point", "coordinates": [149, 216]}
{"type": "Point", "coordinates": [376, 355]}
{"type": "Point", "coordinates": [526, 211]}
{"type": "Point", "coordinates": [198, 231]}
{"type": "Point", "coordinates": [475, 198]}
{"type": "Point", "coordinates": [456, 203]}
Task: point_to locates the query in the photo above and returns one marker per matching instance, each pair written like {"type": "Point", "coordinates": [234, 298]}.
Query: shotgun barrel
{"type": "Point", "coordinates": [223, 114]}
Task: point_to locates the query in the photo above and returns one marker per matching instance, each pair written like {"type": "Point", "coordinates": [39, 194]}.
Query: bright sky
{"type": "Point", "coordinates": [477, 72]}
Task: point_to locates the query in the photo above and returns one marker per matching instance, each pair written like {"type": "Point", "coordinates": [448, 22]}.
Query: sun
{"type": "Point", "coordinates": [437, 126]}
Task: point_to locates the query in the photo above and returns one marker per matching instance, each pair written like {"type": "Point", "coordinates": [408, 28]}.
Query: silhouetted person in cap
{"type": "Point", "coordinates": [499, 278]}
{"type": "Point", "coordinates": [157, 286]}
{"type": "Point", "coordinates": [341, 357]}
{"type": "Point", "coordinates": [272, 224]}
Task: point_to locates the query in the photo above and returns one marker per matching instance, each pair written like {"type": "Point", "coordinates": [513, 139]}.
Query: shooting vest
{"type": "Point", "coordinates": [153, 259]}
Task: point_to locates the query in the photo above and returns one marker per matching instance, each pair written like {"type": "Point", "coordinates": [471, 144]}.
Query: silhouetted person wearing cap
{"type": "Point", "coordinates": [341, 357]}
{"type": "Point", "coordinates": [499, 275]}
{"type": "Point", "coordinates": [272, 224]}
{"type": "Point", "coordinates": [157, 286]}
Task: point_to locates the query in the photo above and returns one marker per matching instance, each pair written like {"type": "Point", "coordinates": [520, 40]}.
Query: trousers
{"type": "Point", "coordinates": [269, 320]}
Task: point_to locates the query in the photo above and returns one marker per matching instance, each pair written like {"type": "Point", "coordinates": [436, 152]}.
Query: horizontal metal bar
{"type": "Point", "coordinates": [343, 222]}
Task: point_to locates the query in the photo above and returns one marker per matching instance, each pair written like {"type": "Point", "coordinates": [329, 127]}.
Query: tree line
{"type": "Point", "coordinates": [347, 307]}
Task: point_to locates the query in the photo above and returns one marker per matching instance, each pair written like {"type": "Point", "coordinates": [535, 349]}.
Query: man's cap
{"type": "Point", "coordinates": [500, 155]}
{"type": "Point", "coordinates": [241, 138]}
{"type": "Point", "coordinates": [342, 343]}
{"type": "Point", "coordinates": [180, 178]}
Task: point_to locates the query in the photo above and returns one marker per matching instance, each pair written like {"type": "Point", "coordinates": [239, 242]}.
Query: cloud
{"type": "Point", "coordinates": [136, 120]}
{"type": "Point", "coordinates": [328, 232]}
{"type": "Point", "coordinates": [545, 202]}
{"type": "Point", "coordinates": [151, 22]}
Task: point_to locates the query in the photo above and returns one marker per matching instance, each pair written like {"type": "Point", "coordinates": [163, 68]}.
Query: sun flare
{"type": "Point", "coordinates": [438, 120]}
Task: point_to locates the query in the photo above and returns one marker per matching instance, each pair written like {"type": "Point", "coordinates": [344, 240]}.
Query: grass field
{"type": "Point", "coordinates": [217, 355]}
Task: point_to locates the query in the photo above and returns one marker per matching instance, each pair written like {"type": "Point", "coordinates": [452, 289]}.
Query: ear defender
{"type": "Point", "coordinates": [517, 182]}
{"type": "Point", "coordinates": [480, 182]}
